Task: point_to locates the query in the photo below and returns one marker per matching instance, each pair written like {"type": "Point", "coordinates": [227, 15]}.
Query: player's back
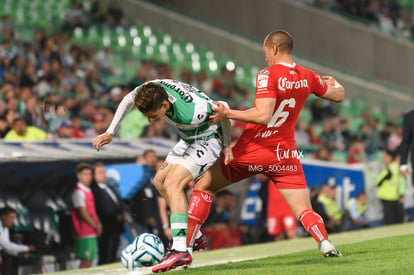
{"type": "Point", "coordinates": [190, 110]}
{"type": "Point", "coordinates": [290, 85]}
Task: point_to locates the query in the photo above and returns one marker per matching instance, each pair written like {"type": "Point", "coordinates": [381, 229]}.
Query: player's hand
{"type": "Point", "coordinates": [331, 81]}
{"type": "Point", "coordinates": [228, 155]}
{"type": "Point", "coordinates": [220, 112]}
{"type": "Point", "coordinates": [404, 172]}
{"type": "Point", "coordinates": [101, 140]}
{"type": "Point", "coordinates": [32, 248]}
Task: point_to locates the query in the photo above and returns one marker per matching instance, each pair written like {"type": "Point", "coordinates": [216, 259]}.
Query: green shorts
{"type": "Point", "coordinates": [86, 248]}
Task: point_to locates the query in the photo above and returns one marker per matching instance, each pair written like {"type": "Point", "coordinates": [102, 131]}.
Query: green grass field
{"type": "Point", "coordinates": [392, 255]}
{"type": "Point", "coordinates": [384, 250]}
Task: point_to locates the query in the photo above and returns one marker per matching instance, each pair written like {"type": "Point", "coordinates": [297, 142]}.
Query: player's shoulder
{"type": "Point", "coordinates": [265, 71]}
{"type": "Point", "coordinates": [310, 75]}
{"type": "Point", "coordinates": [304, 70]}
{"type": "Point", "coordinates": [284, 68]}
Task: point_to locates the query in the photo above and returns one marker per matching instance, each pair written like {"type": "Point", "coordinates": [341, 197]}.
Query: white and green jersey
{"type": "Point", "coordinates": [190, 111]}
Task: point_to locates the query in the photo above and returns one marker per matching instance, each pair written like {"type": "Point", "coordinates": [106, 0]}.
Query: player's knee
{"type": "Point", "coordinates": [204, 184]}
{"type": "Point", "coordinates": [173, 186]}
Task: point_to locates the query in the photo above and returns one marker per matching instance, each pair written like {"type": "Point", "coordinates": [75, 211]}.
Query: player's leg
{"type": "Point", "coordinates": [200, 204]}
{"type": "Point", "coordinates": [217, 177]}
{"type": "Point", "coordinates": [198, 157]}
{"type": "Point", "coordinates": [293, 188]}
{"type": "Point", "coordinates": [87, 251]}
{"type": "Point", "coordinates": [160, 177]}
{"type": "Point", "coordinates": [178, 178]}
{"type": "Point", "coordinates": [172, 158]}
{"type": "Point", "coordinates": [213, 180]}
{"type": "Point", "coordinates": [299, 203]}
{"type": "Point", "coordinates": [175, 182]}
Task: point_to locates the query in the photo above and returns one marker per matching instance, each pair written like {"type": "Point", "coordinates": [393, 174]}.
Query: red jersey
{"type": "Point", "coordinates": [270, 149]}
{"type": "Point", "coordinates": [290, 84]}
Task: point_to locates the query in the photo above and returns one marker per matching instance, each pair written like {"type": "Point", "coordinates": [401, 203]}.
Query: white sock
{"type": "Point", "coordinates": [179, 231]}
{"type": "Point", "coordinates": [198, 234]}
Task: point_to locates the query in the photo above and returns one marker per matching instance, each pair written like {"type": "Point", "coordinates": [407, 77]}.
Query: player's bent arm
{"type": "Point", "coordinates": [125, 106]}
{"type": "Point", "coordinates": [335, 92]}
{"type": "Point", "coordinates": [260, 114]}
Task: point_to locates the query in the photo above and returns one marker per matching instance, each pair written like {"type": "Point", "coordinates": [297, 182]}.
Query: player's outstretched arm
{"type": "Point", "coordinates": [125, 106]}
{"type": "Point", "coordinates": [260, 114]}
{"type": "Point", "coordinates": [335, 92]}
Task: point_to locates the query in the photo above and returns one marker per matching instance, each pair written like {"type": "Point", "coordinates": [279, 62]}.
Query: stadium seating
{"type": "Point", "coordinates": [136, 42]}
{"type": "Point", "coordinates": [367, 17]}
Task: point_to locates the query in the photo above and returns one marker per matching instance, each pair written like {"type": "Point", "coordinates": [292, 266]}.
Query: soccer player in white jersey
{"type": "Point", "coordinates": [188, 109]}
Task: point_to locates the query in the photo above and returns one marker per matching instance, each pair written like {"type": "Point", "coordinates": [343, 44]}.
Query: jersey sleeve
{"type": "Point", "coordinates": [319, 85]}
{"type": "Point", "coordinates": [78, 199]}
{"type": "Point", "coordinates": [265, 85]}
{"type": "Point", "coordinates": [124, 108]}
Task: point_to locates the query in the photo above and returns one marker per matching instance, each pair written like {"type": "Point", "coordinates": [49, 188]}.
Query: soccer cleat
{"type": "Point", "coordinates": [328, 250]}
{"type": "Point", "coordinates": [167, 253]}
{"type": "Point", "coordinates": [174, 259]}
{"type": "Point", "coordinates": [200, 243]}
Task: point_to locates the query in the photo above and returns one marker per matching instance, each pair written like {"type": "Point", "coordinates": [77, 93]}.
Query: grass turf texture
{"type": "Point", "coordinates": [392, 255]}
{"type": "Point", "coordinates": [383, 250]}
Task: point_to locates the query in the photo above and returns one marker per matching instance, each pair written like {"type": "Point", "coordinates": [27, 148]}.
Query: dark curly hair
{"type": "Point", "coordinates": [149, 97]}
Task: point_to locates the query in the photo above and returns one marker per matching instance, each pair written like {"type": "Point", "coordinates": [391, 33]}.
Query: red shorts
{"type": "Point", "coordinates": [282, 167]}
{"type": "Point", "coordinates": [280, 224]}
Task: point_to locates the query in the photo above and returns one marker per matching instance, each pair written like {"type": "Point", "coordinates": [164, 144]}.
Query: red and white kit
{"type": "Point", "coordinates": [270, 149]}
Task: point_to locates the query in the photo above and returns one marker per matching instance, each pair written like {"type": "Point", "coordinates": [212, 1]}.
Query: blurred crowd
{"type": "Point", "coordinates": [51, 88]}
{"type": "Point", "coordinates": [328, 134]}
{"type": "Point", "coordinates": [391, 16]}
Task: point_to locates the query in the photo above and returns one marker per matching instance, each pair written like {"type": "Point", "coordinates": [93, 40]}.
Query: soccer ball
{"type": "Point", "coordinates": [147, 249]}
{"type": "Point", "coordinates": [127, 259]}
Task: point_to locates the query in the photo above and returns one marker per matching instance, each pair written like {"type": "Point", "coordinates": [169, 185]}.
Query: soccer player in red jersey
{"type": "Point", "coordinates": [267, 143]}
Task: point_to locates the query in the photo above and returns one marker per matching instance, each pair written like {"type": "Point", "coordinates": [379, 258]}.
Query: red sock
{"type": "Point", "coordinates": [198, 211]}
{"type": "Point", "coordinates": [313, 223]}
